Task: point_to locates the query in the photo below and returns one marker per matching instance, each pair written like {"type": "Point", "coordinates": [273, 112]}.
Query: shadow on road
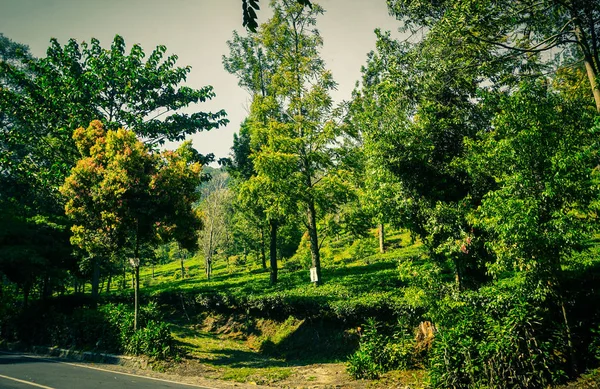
{"type": "Point", "coordinates": [8, 359]}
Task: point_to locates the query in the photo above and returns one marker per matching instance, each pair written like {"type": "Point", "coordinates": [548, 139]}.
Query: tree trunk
{"type": "Point", "coordinates": [108, 282]}
{"type": "Point", "coordinates": [26, 290]}
{"type": "Point", "coordinates": [95, 277]}
{"type": "Point", "coordinates": [381, 238]}
{"type": "Point", "coordinates": [209, 252]}
{"type": "Point", "coordinates": [44, 288]}
{"type": "Point", "coordinates": [208, 265]}
{"type": "Point", "coordinates": [590, 66]}
{"type": "Point", "coordinates": [314, 240]}
{"type": "Point", "coordinates": [570, 347]}
{"type": "Point", "coordinates": [458, 276]}
{"type": "Point", "coordinates": [124, 281]}
{"type": "Point", "coordinates": [273, 250]}
{"type": "Point", "coordinates": [136, 305]}
{"type": "Point", "coordinates": [136, 264]}
{"type": "Point", "coordinates": [182, 268]}
{"type": "Point", "coordinates": [262, 248]}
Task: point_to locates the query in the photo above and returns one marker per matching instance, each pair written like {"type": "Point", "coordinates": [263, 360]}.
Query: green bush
{"type": "Point", "coordinates": [363, 248]}
{"type": "Point", "coordinates": [378, 353]}
{"type": "Point", "coordinates": [153, 337]}
{"type": "Point", "coordinates": [500, 339]}
{"type": "Point", "coordinates": [154, 340]}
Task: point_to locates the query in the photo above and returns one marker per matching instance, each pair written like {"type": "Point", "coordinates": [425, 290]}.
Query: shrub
{"type": "Point", "coordinates": [498, 338]}
{"type": "Point", "coordinates": [363, 248]}
{"type": "Point", "coordinates": [378, 353]}
{"type": "Point", "coordinates": [153, 337]}
{"type": "Point", "coordinates": [154, 340]}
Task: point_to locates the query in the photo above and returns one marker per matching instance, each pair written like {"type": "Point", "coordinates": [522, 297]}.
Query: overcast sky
{"type": "Point", "coordinates": [197, 31]}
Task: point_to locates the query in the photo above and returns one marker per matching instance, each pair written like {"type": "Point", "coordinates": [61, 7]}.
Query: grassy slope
{"type": "Point", "coordinates": [266, 351]}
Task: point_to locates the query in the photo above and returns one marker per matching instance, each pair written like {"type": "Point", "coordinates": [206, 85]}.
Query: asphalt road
{"type": "Point", "coordinates": [18, 371]}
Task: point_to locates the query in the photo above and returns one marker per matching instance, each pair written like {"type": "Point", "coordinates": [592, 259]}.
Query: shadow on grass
{"type": "Point", "coordinates": [183, 332]}
{"type": "Point", "coordinates": [240, 358]}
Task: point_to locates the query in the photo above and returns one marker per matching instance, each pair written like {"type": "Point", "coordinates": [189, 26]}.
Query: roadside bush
{"type": "Point", "coordinates": [378, 353]}
{"type": "Point", "coordinates": [500, 339]}
{"type": "Point", "coordinates": [153, 337]}
{"type": "Point", "coordinates": [154, 340]}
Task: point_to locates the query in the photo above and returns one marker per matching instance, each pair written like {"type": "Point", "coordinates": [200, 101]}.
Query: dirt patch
{"type": "Point", "coordinates": [232, 348]}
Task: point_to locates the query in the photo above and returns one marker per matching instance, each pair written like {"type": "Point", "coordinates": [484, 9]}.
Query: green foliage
{"type": "Point", "coordinates": [153, 338]}
{"type": "Point", "coordinates": [69, 322]}
{"type": "Point", "coordinates": [498, 337]}
{"type": "Point", "coordinates": [294, 143]}
{"type": "Point", "coordinates": [543, 154]}
{"type": "Point", "coordinates": [379, 353]}
{"type": "Point", "coordinates": [362, 248]}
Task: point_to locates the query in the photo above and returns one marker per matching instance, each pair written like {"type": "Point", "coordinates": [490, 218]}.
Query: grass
{"type": "Point", "coordinates": [375, 273]}
{"type": "Point", "coordinates": [261, 350]}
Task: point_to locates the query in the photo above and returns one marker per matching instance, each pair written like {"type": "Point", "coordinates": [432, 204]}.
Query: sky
{"type": "Point", "coordinates": [197, 32]}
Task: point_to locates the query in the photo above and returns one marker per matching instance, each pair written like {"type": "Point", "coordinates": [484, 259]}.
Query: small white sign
{"type": "Point", "coordinates": [313, 275]}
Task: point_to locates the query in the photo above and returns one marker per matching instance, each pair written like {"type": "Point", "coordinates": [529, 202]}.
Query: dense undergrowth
{"type": "Point", "coordinates": [71, 322]}
{"type": "Point", "coordinates": [382, 312]}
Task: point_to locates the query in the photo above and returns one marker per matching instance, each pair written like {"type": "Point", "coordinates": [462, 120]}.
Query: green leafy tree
{"type": "Point", "coordinates": [42, 101]}
{"type": "Point", "coordinates": [543, 153]}
{"type": "Point", "coordinates": [517, 32]}
{"type": "Point", "coordinates": [415, 110]}
{"type": "Point", "coordinates": [293, 136]}
{"type": "Point", "coordinates": [255, 69]}
{"type": "Point", "coordinates": [123, 197]}
{"type": "Point", "coordinates": [214, 208]}
{"type": "Point", "coordinates": [77, 83]}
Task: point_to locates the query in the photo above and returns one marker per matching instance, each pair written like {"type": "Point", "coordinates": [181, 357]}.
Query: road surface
{"type": "Point", "coordinates": [18, 371]}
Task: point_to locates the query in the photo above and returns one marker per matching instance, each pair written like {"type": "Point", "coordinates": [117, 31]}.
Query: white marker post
{"type": "Point", "coordinates": [313, 275]}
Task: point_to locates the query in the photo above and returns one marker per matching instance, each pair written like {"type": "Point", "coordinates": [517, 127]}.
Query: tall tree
{"type": "Point", "coordinates": [291, 123]}
{"type": "Point", "coordinates": [255, 69]}
{"type": "Point", "coordinates": [123, 197]}
{"type": "Point", "coordinates": [514, 31]}
{"type": "Point", "coordinates": [75, 84]}
{"type": "Point", "coordinates": [42, 101]}
{"type": "Point", "coordinates": [215, 200]}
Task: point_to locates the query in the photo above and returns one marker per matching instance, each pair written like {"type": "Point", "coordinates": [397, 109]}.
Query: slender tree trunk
{"type": "Point", "coordinates": [458, 276]}
{"type": "Point", "coordinates": [273, 250]}
{"type": "Point", "coordinates": [314, 240]}
{"type": "Point", "coordinates": [570, 347]}
{"type": "Point", "coordinates": [182, 268]}
{"type": "Point", "coordinates": [44, 288]}
{"type": "Point", "coordinates": [208, 264]}
{"type": "Point", "coordinates": [95, 277]}
{"type": "Point", "coordinates": [136, 304]}
{"type": "Point", "coordinates": [381, 238]}
{"type": "Point", "coordinates": [26, 290]}
{"type": "Point", "coordinates": [208, 259]}
{"type": "Point", "coordinates": [590, 66]}
{"type": "Point", "coordinates": [108, 282]}
{"type": "Point", "coordinates": [262, 248]}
